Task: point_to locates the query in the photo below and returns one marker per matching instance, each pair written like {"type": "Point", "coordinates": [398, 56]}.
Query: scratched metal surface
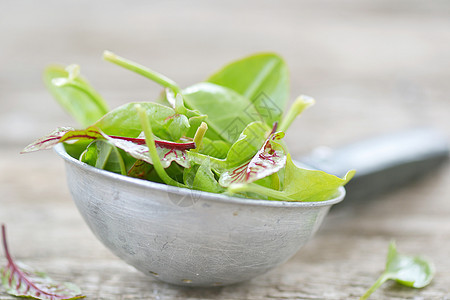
{"type": "Point", "coordinates": [373, 67]}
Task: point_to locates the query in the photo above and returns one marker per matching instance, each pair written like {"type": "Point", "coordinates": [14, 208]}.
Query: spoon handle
{"type": "Point", "coordinates": [382, 163]}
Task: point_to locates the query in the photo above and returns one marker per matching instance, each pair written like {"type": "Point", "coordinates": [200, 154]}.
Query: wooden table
{"type": "Point", "coordinates": [374, 67]}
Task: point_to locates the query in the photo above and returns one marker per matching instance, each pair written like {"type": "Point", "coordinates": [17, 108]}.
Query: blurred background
{"type": "Point", "coordinates": [366, 62]}
{"type": "Point", "coordinates": [373, 67]}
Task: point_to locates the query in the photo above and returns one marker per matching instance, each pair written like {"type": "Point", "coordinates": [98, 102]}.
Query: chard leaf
{"type": "Point", "coordinates": [228, 112]}
{"type": "Point", "coordinates": [75, 94]}
{"type": "Point", "coordinates": [60, 135]}
{"type": "Point", "coordinates": [410, 271]}
{"type": "Point", "coordinates": [262, 78]}
{"type": "Point", "coordinates": [167, 152]}
{"type": "Point", "coordinates": [21, 281]}
{"type": "Point", "coordinates": [135, 147]}
{"type": "Point", "coordinates": [267, 161]}
{"type": "Point", "coordinates": [165, 123]}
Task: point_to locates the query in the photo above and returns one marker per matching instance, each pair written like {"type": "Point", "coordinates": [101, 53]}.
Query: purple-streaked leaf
{"type": "Point", "coordinates": [167, 151]}
{"type": "Point", "coordinates": [268, 160]}
{"type": "Point", "coordinates": [136, 147]}
{"type": "Point", "coordinates": [63, 134]}
{"type": "Point", "coordinates": [20, 281]}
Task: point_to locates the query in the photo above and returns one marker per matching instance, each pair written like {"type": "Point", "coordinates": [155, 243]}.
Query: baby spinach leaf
{"type": "Point", "coordinates": [261, 78]}
{"type": "Point", "coordinates": [228, 112]}
{"type": "Point", "coordinates": [75, 94]}
{"type": "Point", "coordinates": [202, 178]}
{"type": "Point", "coordinates": [103, 155]}
{"type": "Point", "coordinates": [123, 121]}
{"type": "Point", "coordinates": [410, 271]}
{"type": "Point", "coordinates": [267, 161]}
{"type": "Point", "coordinates": [215, 148]}
{"type": "Point", "coordinates": [21, 281]}
{"type": "Point", "coordinates": [311, 185]}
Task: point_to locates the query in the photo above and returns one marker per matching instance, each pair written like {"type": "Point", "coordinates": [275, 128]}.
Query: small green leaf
{"type": "Point", "coordinates": [410, 271]}
{"type": "Point", "coordinates": [202, 178]}
{"type": "Point", "coordinates": [123, 121]}
{"type": "Point", "coordinates": [311, 185]}
{"type": "Point", "coordinates": [103, 155]}
{"type": "Point", "coordinates": [228, 112]}
{"type": "Point", "coordinates": [75, 94]}
{"type": "Point", "coordinates": [261, 78]}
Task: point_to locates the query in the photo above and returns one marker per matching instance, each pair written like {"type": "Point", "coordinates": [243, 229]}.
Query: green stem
{"type": "Point", "coordinates": [198, 137]}
{"type": "Point", "coordinates": [382, 279]}
{"type": "Point", "coordinates": [255, 188]}
{"type": "Point", "coordinates": [300, 104]}
{"type": "Point", "coordinates": [144, 71]}
{"type": "Point", "coordinates": [152, 148]}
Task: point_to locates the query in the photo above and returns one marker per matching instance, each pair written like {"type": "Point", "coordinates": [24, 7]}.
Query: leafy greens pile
{"type": "Point", "coordinates": [223, 135]}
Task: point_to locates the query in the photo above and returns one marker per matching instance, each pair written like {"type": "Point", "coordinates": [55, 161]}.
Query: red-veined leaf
{"type": "Point", "coordinates": [268, 160]}
{"type": "Point", "coordinates": [63, 134]}
{"type": "Point", "coordinates": [136, 147]}
{"type": "Point", "coordinates": [20, 281]}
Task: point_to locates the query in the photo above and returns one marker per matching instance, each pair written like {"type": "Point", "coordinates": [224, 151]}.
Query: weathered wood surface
{"type": "Point", "coordinates": [374, 67]}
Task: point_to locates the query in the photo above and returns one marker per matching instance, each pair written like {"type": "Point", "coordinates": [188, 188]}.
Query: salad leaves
{"type": "Point", "coordinates": [223, 135]}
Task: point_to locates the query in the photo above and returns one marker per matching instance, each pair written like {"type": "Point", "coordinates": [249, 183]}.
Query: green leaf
{"type": "Point", "coordinates": [410, 271]}
{"type": "Point", "coordinates": [261, 78]}
{"type": "Point", "coordinates": [103, 155]}
{"type": "Point", "coordinates": [228, 112]}
{"type": "Point", "coordinates": [202, 178]}
{"type": "Point", "coordinates": [217, 148]}
{"type": "Point", "coordinates": [75, 94]}
{"type": "Point", "coordinates": [299, 185]}
{"type": "Point", "coordinates": [123, 121]}
{"type": "Point", "coordinates": [21, 281]}
{"type": "Point", "coordinates": [311, 185]}
{"type": "Point", "coordinates": [246, 146]}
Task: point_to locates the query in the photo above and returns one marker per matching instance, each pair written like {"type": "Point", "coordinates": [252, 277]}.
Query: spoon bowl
{"type": "Point", "coordinates": [189, 237]}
